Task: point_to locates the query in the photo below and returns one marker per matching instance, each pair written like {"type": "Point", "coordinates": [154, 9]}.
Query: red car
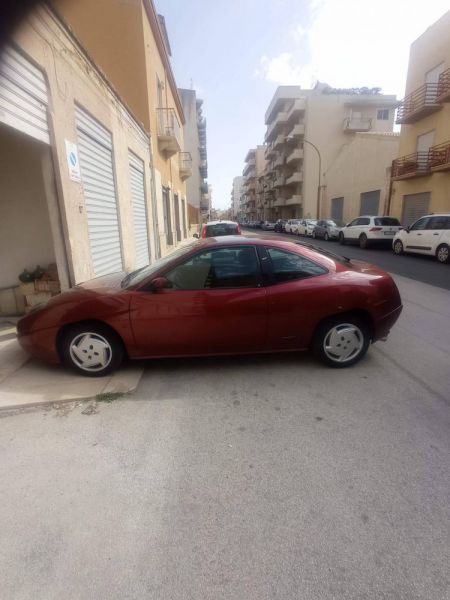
{"type": "Point", "coordinates": [229, 295]}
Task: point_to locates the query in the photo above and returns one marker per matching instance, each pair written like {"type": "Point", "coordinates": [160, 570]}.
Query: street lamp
{"type": "Point", "coordinates": [290, 138]}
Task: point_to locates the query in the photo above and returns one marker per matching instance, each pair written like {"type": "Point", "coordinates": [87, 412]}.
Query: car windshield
{"type": "Point", "coordinates": [387, 221]}
{"type": "Point", "coordinates": [139, 275]}
{"type": "Point", "coordinates": [311, 221]}
{"type": "Point", "coordinates": [331, 223]}
{"type": "Point", "coordinates": [220, 229]}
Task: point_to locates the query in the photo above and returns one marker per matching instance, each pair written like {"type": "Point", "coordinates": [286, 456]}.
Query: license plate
{"type": "Point", "coordinates": [389, 233]}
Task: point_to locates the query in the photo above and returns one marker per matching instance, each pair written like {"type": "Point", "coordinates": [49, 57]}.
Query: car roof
{"type": "Point", "coordinates": [220, 221]}
{"type": "Point", "coordinates": [436, 215]}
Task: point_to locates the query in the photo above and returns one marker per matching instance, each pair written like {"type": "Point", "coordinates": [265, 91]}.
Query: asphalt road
{"type": "Point", "coordinates": [255, 478]}
{"type": "Point", "coordinates": [421, 268]}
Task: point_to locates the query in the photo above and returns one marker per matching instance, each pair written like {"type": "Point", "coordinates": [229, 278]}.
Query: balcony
{"type": "Point", "coordinates": [204, 188]}
{"type": "Point", "coordinates": [169, 131]}
{"type": "Point", "coordinates": [185, 165]}
{"type": "Point", "coordinates": [279, 202]}
{"type": "Point", "coordinates": [279, 121]}
{"type": "Point", "coordinates": [443, 92]}
{"type": "Point", "coordinates": [411, 165]}
{"type": "Point", "coordinates": [250, 166]}
{"type": "Point", "coordinates": [270, 151]}
{"type": "Point", "coordinates": [297, 108]}
{"type": "Point", "coordinates": [279, 181]}
{"type": "Point", "coordinates": [419, 104]}
{"type": "Point", "coordinates": [279, 162]}
{"type": "Point", "coordinates": [439, 157]}
{"type": "Point", "coordinates": [295, 156]}
{"type": "Point", "coordinates": [297, 131]}
{"type": "Point", "coordinates": [203, 169]}
{"type": "Point", "coordinates": [295, 178]}
{"type": "Point", "coordinates": [296, 199]}
{"type": "Point", "coordinates": [352, 125]}
{"type": "Point", "coordinates": [279, 141]}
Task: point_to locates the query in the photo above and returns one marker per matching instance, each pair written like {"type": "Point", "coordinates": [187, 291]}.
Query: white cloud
{"type": "Point", "coordinates": [352, 43]}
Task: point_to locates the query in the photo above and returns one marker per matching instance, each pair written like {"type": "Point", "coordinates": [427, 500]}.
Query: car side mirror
{"type": "Point", "coordinates": [196, 236]}
{"type": "Point", "coordinates": [159, 283]}
{"type": "Point", "coordinates": [408, 229]}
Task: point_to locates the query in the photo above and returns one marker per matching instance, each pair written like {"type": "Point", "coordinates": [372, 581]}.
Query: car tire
{"type": "Point", "coordinates": [398, 247]}
{"type": "Point", "coordinates": [443, 254]}
{"type": "Point", "coordinates": [363, 241]}
{"type": "Point", "coordinates": [341, 238]}
{"type": "Point", "coordinates": [341, 341]}
{"type": "Point", "coordinates": [94, 350]}
{"type": "Point", "coordinates": [313, 235]}
{"type": "Point", "coordinates": [326, 237]}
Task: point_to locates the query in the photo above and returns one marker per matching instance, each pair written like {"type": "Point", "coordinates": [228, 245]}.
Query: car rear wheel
{"type": "Point", "coordinates": [443, 253]}
{"type": "Point", "coordinates": [326, 237]}
{"type": "Point", "coordinates": [341, 238]}
{"type": "Point", "coordinates": [92, 350]}
{"type": "Point", "coordinates": [363, 241]}
{"type": "Point", "coordinates": [341, 341]}
{"type": "Point", "coordinates": [398, 247]}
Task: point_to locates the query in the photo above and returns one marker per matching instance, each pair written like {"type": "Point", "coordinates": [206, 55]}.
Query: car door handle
{"type": "Point", "coordinates": [419, 234]}
{"type": "Point", "coordinates": [435, 233]}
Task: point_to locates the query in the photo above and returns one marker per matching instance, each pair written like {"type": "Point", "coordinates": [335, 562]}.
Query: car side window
{"type": "Point", "coordinates": [363, 221]}
{"type": "Point", "coordinates": [234, 267]}
{"type": "Point", "coordinates": [420, 224]}
{"type": "Point", "coordinates": [354, 222]}
{"type": "Point", "coordinates": [288, 266]}
{"type": "Point", "coordinates": [437, 223]}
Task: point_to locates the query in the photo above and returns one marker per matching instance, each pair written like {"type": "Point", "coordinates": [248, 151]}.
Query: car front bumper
{"type": "Point", "coordinates": [41, 344]}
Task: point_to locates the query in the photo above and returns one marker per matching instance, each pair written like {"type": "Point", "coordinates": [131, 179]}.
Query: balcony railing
{"type": "Point", "coordinates": [250, 165]}
{"type": "Point", "coordinates": [419, 104]}
{"type": "Point", "coordinates": [295, 156]}
{"type": "Point", "coordinates": [439, 157]}
{"type": "Point", "coordinates": [443, 91]}
{"type": "Point", "coordinates": [295, 178]}
{"type": "Point", "coordinates": [279, 120]}
{"type": "Point", "coordinates": [185, 165]}
{"type": "Point", "coordinates": [411, 165]}
{"type": "Point", "coordinates": [297, 131]}
{"type": "Point", "coordinates": [169, 131]}
{"type": "Point", "coordinates": [351, 124]}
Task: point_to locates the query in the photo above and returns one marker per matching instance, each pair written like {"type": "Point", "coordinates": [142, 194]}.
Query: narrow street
{"type": "Point", "coordinates": [258, 477]}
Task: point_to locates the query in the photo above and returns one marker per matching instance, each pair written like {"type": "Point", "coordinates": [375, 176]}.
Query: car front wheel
{"type": "Point", "coordinates": [313, 235]}
{"type": "Point", "coordinates": [341, 238]}
{"type": "Point", "coordinates": [398, 247]}
{"type": "Point", "coordinates": [443, 254]}
{"type": "Point", "coordinates": [92, 350]}
{"type": "Point", "coordinates": [341, 341]}
{"type": "Point", "coordinates": [326, 237]}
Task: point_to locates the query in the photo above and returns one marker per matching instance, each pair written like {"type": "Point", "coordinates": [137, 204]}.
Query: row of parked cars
{"type": "Point", "coordinates": [428, 235]}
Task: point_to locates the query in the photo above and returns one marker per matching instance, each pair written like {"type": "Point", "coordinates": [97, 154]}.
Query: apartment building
{"type": "Point", "coordinates": [307, 134]}
{"type": "Point", "coordinates": [237, 192]}
{"type": "Point", "coordinates": [421, 172]}
{"type": "Point", "coordinates": [139, 69]}
{"type": "Point", "coordinates": [196, 157]}
{"type": "Point", "coordinates": [254, 175]}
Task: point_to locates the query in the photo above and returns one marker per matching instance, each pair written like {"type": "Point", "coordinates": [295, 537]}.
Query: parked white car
{"type": "Point", "coordinates": [292, 226]}
{"type": "Point", "coordinates": [306, 226]}
{"type": "Point", "coordinates": [429, 235]}
{"type": "Point", "coordinates": [367, 231]}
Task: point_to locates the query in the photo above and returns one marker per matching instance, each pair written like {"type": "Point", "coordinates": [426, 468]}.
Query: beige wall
{"type": "Point", "coordinates": [429, 50]}
{"type": "Point", "coordinates": [363, 165]}
{"type": "Point", "coordinates": [25, 234]}
{"type": "Point", "coordinates": [73, 79]}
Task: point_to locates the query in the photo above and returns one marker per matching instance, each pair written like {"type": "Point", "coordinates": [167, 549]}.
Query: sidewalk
{"type": "Point", "coordinates": [26, 382]}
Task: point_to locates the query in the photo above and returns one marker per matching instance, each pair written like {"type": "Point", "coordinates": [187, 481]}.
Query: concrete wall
{"type": "Point", "coordinates": [429, 50]}
{"type": "Point", "coordinates": [25, 234]}
{"type": "Point", "coordinates": [363, 165]}
{"type": "Point", "coordinates": [72, 79]}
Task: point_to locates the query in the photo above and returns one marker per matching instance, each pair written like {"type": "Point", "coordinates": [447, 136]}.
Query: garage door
{"type": "Point", "coordinates": [370, 203]}
{"type": "Point", "coordinates": [97, 176]}
{"type": "Point", "coordinates": [415, 206]}
{"type": "Point", "coordinates": [139, 211]}
{"type": "Point", "coordinates": [337, 208]}
{"type": "Point", "coordinates": [23, 95]}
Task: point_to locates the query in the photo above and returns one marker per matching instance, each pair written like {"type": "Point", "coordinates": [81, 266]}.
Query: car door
{"type": "Point", "coordinates": [434, 232]}
{"type": "Point", "coordinates": [416, 238]}
{"type": "Point", "coordinates": [351, 230]}
{"type": "Point", "coordinates": [216, 303]}
{"type": "Point", "coordinates": [295, 297]}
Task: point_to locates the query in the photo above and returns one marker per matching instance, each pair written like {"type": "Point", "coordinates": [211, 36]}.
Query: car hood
{"type": "Point", "coordinates": [111, 281]}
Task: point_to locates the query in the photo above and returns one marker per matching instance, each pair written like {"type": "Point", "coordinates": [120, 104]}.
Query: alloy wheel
{"type": "Point", "coordinates": [343, 342]}
{"type": "Point", "coordinates": [398, 247]}
{"type": "Point", "coordinates": [443, 254]}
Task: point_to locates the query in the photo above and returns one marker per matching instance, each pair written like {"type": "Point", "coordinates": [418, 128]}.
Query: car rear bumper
{"type": "Point", "coordinates": [383, 325]}
{"type": "Point", "coordinates": [41, 344]}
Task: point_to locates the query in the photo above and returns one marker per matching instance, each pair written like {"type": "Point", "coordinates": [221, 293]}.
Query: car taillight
{"type": "Point", "coordinates": [238, 230]}
{"type": "Point", "coordinates": [375, 229]}
{"type": "Point", "coordinates": [204, 232]}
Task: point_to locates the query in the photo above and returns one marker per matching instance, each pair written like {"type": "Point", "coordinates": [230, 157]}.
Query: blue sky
{"type": "Point", "coordinates": [237, 52]}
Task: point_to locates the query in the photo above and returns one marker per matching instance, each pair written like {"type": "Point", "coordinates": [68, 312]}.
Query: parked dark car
{"type": "Point", "coordinates": [326, 229]}
{"type": "Point", "coordinates": [227, 295]}
{"type": "Point", "coordinates": [280, 225]}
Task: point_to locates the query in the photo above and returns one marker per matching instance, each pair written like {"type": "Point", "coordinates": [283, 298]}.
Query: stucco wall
{"type": "Point", "coordinates": [25, 235]}
{"type": "Point", "coordinates": [72, 79]}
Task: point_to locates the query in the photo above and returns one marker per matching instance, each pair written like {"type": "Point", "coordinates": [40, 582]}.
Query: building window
{"type": "Point", "coordinates": [383, 114]}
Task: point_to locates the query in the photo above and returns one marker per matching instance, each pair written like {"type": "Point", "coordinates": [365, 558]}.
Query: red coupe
{"type": "Point", "coordinates": [228, 295]}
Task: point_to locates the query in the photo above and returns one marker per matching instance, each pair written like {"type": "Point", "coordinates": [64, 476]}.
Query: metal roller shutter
{"type": "Point", "coordinates": [337, 208]}
{"type": "Point", "coordinates": [23, 95]}
{"type": "Point", "coordinates": [414, 207]}
{"type": "Point", "coordinates": [139, 211]}
{"type": "Point", "coordinates": [97, 175]}
{"type": "Point", "coordinates": [370, 203]}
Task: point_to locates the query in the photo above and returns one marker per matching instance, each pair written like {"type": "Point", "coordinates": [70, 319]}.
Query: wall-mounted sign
{"type": "Point", "coordinates": [72, 161]}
